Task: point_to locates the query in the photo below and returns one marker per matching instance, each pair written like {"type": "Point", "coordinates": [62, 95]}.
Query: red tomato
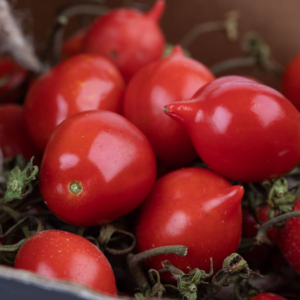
{"type": "Point", "coordinates": [14, 139]}
{"type": "Point", "coordinates": [267, 296]}
{"type": "Point", "coordinates": [83, 82]}
{"type": "Point", "coordinates": [73, 45]}
{"type": "Point", "coordinates": [291, 81]}
{"type": "Point", "coordinates": [289, 239]}
{"type": "Point", "coordinates": [242, 130]}
{"type": "Point", "coordinates": [130, 39]}
{"type": "Point", "coordinates": [62, 255]}
{"type": "Point", "coordinates": [196, 208]}
{"type": "Point", "coordinates": [96, 168]}
{"type": "Point", "coordinates": [11, 77]}
{"type": "Point", "coordinates": [171, 79]}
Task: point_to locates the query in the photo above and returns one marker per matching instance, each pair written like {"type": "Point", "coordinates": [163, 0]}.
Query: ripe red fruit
{"type": "Point", "coordinates": [166, 81]}
{"type": "Point", "coordinates": [11, 78]}
{"type": "Point", "coordinates": [96, 168]}
{"type": "Point", "coordinates": [242, 130]}
{"type": "Point", "coordinates": [80, 83]}
{"type": "Point", "coordinates": [73, 45]}
{"type": "Point", "coordinates": [62, 255]}
{"type": "Point", "coordinates": [130, 39]}
{"type": "Point", "coordinates": [267, 296]}
{"type": "Point", "coordinates": [196, 208]}
{"type": "Point", "coordinates": [14, 139]}
{"type": "Point", "coordinates": [289, 239]}
{"type": "Point", "coordinates": [291, 81]}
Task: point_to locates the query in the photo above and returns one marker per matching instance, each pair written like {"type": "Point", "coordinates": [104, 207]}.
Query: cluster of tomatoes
{"type": "Point", "coordinates": [117, 126]}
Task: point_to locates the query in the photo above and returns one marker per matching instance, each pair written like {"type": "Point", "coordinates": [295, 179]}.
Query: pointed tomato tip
{"type": "Point", "coordinates": [157, 10]}
{"type": "Point", "coordinates": [165, 110]}
{"type": "Point", "coordinates": [177, 51]}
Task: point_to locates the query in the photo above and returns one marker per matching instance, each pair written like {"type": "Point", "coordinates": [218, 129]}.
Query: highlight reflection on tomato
{"type": "Point", "coordinates": [96, 168]}
{"type": "Point", "coordinates": [63, 255]}
{"type": "Point", "coordinates": [80, 83]}
{"type": "Point", "coordinates": [196, 208]}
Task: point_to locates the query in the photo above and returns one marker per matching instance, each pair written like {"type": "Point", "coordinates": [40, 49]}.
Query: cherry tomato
{"type": "Point", "coordinates": [80, 83]}
{"type": "Point", "coordinates": [196, 208]}
{"type": "Point", "coordinates": [62, 255]}
{"type": "Point", "coordinates": [73, 45]}
{"type": "Point", "coordinates": [289, 239]}
{"type": "Point", "coordinates": [291, 81]}
{"type": "Point", "coordinates": [267, 296]}
{"type": "Point", "coordinates": [242, 130]}
{"type": "Point", "coordinates": [171, 79]}
{"type": "Point", "coordinates": [14, 139]}
{"type": "Point", "coordinates": [11, 78]}
{"type": "Point", "coordinates": [96, 168]}
{"type": "Point", "coordinates": [130, 39]}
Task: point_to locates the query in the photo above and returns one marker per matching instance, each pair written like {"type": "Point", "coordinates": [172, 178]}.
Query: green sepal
{"type": "Point", "coordinates": [187, 283]}
{"type": "Point", "coordinates": [19, 183]}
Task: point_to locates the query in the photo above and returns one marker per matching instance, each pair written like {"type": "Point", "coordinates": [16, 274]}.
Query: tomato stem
{"type": "Point", "coordinates": [261, 234]}
{"type": "Point", "coordinates": [229, 25]}
{"type": "Point", "coordinates": [85, 7]}
{"type": "Point", "coordinates": [134, 261]}
{"type": "Point", "coordinates": [258, 55]}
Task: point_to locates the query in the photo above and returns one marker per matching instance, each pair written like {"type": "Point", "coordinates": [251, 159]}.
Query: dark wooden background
{"type": "Point", "coordinates": [277, 20]}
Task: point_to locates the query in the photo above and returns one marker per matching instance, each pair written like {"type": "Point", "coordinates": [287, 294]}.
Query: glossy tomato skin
{"type": "Point", "coordinates": [242, 130]}
{"type": "Point", "coordinates": [267, 296]}
{"type": "Point", "coordinates": [110, 159]}
{"type": "Point", "coordinates": [14, 139]}
{"type": "Point", "coordinates": [196, 208]}
{"type": "Point", "coordinates": [129, 38]}
{"type": "Point", "coordinates": [12, 76]}
{"type": "Point", "coordinates": [290, 84]}
{"type": "Point", "coordinates": [289, 239]}
{"type": "Point", "coordinates": [169, 80]}
{"type": "Point", "coordinates": [58, 254]}
{"type": "Point", "coordinates": [80, 83]}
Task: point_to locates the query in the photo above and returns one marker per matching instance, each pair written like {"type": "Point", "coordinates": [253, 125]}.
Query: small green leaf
{"type": "Point", "coordinates": [19, 182]}
{"type": "Point", "coordinates": [169, 48]}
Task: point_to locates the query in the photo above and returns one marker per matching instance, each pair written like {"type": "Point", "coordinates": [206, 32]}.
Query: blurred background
{"type": "Point", "coordinates": [276, 20]}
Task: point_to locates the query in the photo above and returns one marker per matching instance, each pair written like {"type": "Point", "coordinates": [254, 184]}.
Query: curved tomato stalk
{"type": "Point", "coordinates": [257, 54]}
{"type": "Point", "coordinates": [9, 251]}
{"type": "Point", "coordinates": [108, 234]}
{"type": "Point", "coordinates": [19, 183]}
{"type": "Point", "coordinates": [229, 25]}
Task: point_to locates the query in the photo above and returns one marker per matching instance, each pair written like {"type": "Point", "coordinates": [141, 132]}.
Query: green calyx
{"type": "Point", "coordinates": [235, 271]}
{"type": "Point", "coordinates": [280, 199]}
{"type": "Point", "coordinates": [187, 284]}
{"type": "Point", "coordinates": [19, 183]}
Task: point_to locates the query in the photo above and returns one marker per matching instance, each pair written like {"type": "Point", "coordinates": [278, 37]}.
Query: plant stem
{"type": "Point", "coordinates": [62, 19]}
{"type": "Point", "coordinates": [200, 29]}
{"type": "Point", "coordinates": [134, 261]}
{"type": "Point", "coordinates": [261, 234]}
